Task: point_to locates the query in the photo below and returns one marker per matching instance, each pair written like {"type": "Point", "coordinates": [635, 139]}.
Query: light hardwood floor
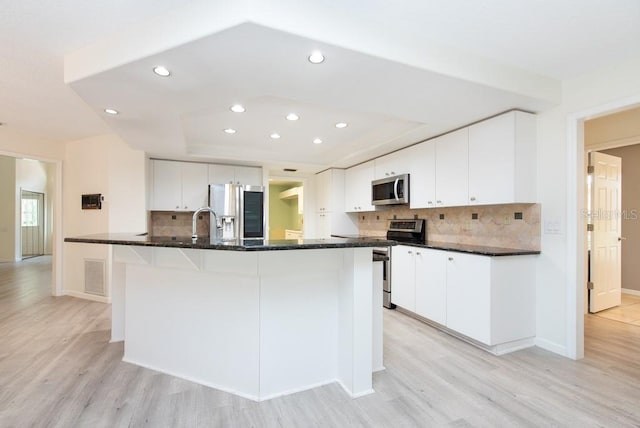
{"type": "Point", "coordinates": [57, 369]}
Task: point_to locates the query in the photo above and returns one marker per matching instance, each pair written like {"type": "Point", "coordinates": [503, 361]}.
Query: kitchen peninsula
{"type": "Point", "coordinates": [255, 318]}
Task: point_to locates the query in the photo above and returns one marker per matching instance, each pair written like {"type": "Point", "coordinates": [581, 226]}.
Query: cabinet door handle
{"type": "Point", "coordinates": [473, 198]}
{"type": "Point", "coordinates": [429, 202]}
{"type": "Point", "coordinates": [438, 202]}
{"type": "Point", "coordinates": [418, 253]}
{"type": "Point", "coordinates": [177, 207]}
{"type": "Point", "coordinates": [185, 207]}
{"type": "Point", "coordinates": [409, 252]}
{"type": "Point", "coordinates": [450, 259]}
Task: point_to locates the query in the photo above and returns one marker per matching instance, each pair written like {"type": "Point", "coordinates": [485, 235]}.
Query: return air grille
{"type": "Point", "coordinates": [94, 276]}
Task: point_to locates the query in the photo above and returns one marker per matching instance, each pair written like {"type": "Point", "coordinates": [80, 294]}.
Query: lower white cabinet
{"type": "Point", "coordinates": [403, 277]}
{"type": "Point", "coordinates": [431, 285]}
{"type": "Point", "coordinates": [488, 299]}
{"type": "Point", "coordinates": [468, 302]}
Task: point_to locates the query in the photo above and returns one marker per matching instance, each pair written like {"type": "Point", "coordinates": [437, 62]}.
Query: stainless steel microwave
{"type": "Point", "coordinates": [390, 190]}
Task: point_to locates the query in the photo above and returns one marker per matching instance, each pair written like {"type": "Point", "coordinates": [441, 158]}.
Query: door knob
{"type": "Point", "coordinates": [621, 238]}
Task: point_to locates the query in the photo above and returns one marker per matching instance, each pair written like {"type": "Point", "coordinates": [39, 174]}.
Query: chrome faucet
{"type": "Point", "coordinates": [194, 235]}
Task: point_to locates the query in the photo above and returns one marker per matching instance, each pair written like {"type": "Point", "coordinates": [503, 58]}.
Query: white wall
{"type": "Point", "coordinates": [7, 208]}
{"type": "Point", "coordinates": [558, 273]}
{"type": "Point", "coordinates": [106, 165]}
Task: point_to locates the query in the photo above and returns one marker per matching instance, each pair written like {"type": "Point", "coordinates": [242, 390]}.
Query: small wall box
{"type": "Point", "coordinates": [92, 202]}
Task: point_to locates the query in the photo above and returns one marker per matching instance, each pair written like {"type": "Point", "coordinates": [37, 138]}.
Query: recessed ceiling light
{"type": "Point", "coordinates": [292, 116]}
{"type": "Point", "coordinates": [161, 71]}
{"type": "Point", "coordinates": [111, 111]}
{"type": "Point", "coordinates": [237, 108]}
{"type": "Point", "coordinates": [230, 131]}
{"type": "Point", "coordinates": [316, 57]}
{"type": "Point", "coordinates": [317, 141]}
{"type": "Point", "coordinates": [275, 136]}
{"type": "Point", "coordinates": [341, 125]}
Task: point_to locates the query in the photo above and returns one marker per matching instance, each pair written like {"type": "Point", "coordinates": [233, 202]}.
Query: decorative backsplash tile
{"type": "Point", "coordinates": [169, 223]}
{"type": "Point", "coordinates": [495, 225]}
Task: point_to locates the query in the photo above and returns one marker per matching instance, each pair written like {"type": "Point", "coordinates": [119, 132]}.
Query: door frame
{"type": "Point", "coordinates": [56, 247]}
{"type": "Point", "coordinates": [576, 223]}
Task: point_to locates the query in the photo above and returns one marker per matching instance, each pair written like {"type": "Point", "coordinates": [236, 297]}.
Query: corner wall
{"type": "Point", "coordinates": [106, 165]}
{"type": "Point", "coordinates": [560, 282]}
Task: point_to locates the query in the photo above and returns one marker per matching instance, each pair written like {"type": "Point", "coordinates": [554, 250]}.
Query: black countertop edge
{"type": "Point", "coordinates": [473, 249]}
{"type": "Point", "coordinates": [244, 245]}
{"type": "Point", "coordinates": [459, 248]}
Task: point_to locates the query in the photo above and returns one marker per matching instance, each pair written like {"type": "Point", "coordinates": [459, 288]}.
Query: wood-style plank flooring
{"type": "Point", "coordinates": [57, 369]}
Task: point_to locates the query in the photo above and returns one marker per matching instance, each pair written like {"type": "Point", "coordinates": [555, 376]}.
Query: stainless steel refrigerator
{"type": "Point", "coordinates": [239, 210]}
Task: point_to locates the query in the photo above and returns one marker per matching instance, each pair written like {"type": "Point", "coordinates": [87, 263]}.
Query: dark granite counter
{"type": "Point", "coordinates": [218, 244]}
{"type": "Point", "coordinates": [452, 246]}
{"type": "Point", "coordinates": [473, 249]}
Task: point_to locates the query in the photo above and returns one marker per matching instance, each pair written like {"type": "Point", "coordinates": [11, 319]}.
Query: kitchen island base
{"type": "Point", "coordinates": [256, 324]}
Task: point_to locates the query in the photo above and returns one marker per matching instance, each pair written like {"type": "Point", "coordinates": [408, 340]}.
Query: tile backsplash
{"type": "Point", "coordinates": [169, 223]}
{"type": "Point", "coordinates": [509, 226]}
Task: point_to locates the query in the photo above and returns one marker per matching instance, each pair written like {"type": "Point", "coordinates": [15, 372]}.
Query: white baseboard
{"type": "Point", "coordinates": [551, 346]}
{"type": "Point", "coordinates": [87, 296]}
{"type": "Point", "coordinates": [631, 292]}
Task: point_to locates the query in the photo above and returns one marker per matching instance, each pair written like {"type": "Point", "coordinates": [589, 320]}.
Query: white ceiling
{"type": "Point", "coordinates": [397, 74]}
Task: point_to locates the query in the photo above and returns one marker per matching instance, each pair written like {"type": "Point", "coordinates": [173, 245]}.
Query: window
{"type": "Point", "coordinates": [30, 212]}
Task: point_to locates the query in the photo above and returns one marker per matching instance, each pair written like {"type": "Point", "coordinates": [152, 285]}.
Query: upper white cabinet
{"type": "Point", "coordinates": [220, 174]}
{"type": "Point", "coordinates": [395, 163]}
{"type": "Point", "coordinates": [502, 153]}
{"type": "Point", "coordinates": [452, 168]}
{"type": "Point", "coordinates": [331, 217]}
{"type": "Point", "coordinates": [178, 186]}
{"type": "Point", "coordinates": [357, 188]}
{"type": "Point", "coordinates": [422, 175]}
{"type": "Point", "coordinates": [330, 191]}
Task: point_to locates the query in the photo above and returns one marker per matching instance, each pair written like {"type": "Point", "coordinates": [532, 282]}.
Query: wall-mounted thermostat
{"type": "Point", "coordinates": [92, 202]}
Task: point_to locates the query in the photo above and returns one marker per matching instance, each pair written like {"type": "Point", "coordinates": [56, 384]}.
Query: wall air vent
{"type": "Point", "coordinates": [94, 277]}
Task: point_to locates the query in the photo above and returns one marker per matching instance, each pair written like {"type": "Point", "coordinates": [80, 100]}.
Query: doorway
{"type": "Point", "coordinates": [32, 223]}
{"type": "Point", "coordinates": [614, 139]}
{"type": "Point", "coordinates": [286, 209]}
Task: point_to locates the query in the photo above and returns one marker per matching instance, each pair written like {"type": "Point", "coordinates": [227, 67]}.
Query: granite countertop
{"type": "Point", "coordinates": [217, 244]}
{"type": "Point", "coordinates": [473, 249]}
{"type": "Point", "coordinates": [453, 246]}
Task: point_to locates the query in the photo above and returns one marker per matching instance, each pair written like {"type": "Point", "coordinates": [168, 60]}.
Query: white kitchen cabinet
{"type": "Point", "coordinates": [431, 284]}
{"type": "Point", "coordinates": [395, 163]}
{"type": "Point", "coordinates": [488, 299]}
{"type": "Point", "coordinates": [422, 179]}
{"type": "Point", "coordinates": [179, 186]}
{"type": "Point", "coordinates": [167, 185]}
{"type": "Point", "coordinates": [248, 175]}
{"type": "Point", "coordinates": [403, 277]}
{"type": "Point", "coordinates": [330, 191]}
{"type": "Point", "coordinates": [469, 295]}
{"type": "Point", "coordinates": [492, 299]}
{"type": "Point", "coordinates": [452, 168]}
{"type": "Point", "coordinates": [502, 153]}
{"type": "Point", "coordinates": [331, 218]}
{"type": "Point", "coordinates": [323, 225]}
{"type": "Point", "coordinates": [357, 188]}
{"type": "Point", "coordinates": [222, 174]}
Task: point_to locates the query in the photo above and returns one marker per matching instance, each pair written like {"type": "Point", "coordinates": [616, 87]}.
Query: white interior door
{"type": "Point", "coordinates": [606, 214]}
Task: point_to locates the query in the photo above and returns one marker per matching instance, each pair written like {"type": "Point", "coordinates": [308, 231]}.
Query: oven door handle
{"type": "Point", "coordinates": [395, 188]}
